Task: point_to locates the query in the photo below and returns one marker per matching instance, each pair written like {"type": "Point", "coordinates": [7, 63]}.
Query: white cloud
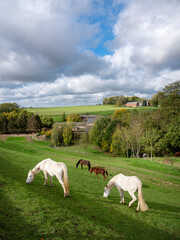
{"type": "Point", "coordinates": [153, 29]}
{"type": "Point", "coordinates": [45, 57]}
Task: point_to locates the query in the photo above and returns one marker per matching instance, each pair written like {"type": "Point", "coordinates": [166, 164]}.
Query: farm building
{"type": "Point", "coordinates": [85, 125]}
{"type": "Point", "coordinates": [136, 104]}
{"type": "Point", "coordinates": [88, 118]}
{"type": "Point", "coordinates": [132, 104]}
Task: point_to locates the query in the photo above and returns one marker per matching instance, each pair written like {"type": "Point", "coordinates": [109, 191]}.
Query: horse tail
{"type": "Point", "coordinates": [66, 179]}
{"type": "Point", "coordinates": [143, 205]}
{"type": "Point", "coordinates": [107, 173]}
{"type": "Point", "coordinates": [89, 165]}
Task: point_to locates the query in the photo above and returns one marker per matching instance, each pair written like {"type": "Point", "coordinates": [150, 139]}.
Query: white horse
{"type": "Point", "coordinates": [130, 184]}
{"type": "Point", "coordinates": [48, 166]}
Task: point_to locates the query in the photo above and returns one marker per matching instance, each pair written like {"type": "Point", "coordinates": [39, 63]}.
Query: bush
{"type": "Point", "coordinates": [48, 134]}
{"type": "Point", "coordinates": [74, 117]}
{"type": "Point", "coordinates": [47, 121]}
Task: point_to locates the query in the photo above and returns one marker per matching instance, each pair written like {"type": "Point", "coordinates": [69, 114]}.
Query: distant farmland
{"type": "Point", "coordinates": [104, 110]}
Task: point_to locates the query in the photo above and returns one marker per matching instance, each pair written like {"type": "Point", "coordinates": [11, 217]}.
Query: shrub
{"type": "Point", "coordinates": [47, 121]}
{"type": "Point", "coordinates": [74, 117]}
{"type": "Point", "coordinates": [48, 134]}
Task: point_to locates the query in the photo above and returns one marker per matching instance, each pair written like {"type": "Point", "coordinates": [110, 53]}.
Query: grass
{"type": "Point", "coordinates": [105, 110]}
{"type": "Point", "coordinates": [35, 211]}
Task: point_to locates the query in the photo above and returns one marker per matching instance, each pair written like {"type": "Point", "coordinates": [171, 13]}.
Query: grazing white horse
{"type": "Point", "coordinates": [51, 168]}
{"type": "Point", "coordinates": [130, 184]}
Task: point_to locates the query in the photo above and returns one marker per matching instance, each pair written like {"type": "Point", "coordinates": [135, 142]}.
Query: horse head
{"type": "Point", "coordinates": [30, 177]}
{"type": "Point", "coordinates": [106, 191]}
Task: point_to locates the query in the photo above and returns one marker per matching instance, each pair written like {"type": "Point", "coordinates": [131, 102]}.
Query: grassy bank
{"type": "Point", "coordinates": [35, 211]}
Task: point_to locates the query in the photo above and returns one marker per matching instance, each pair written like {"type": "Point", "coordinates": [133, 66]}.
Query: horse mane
{"type": "Point", "coordinates": [78, 161]}
{"type": "Point", "coordinates": [36, 169]}
{"type": "Point", "coordinates": [110, 184]}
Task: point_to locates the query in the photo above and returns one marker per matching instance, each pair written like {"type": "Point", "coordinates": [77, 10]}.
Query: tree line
{"type": "Point", "coordinates": [120, 100]}
{"type": "Point", "coordinates": [155, 101]}
{"type": "Point", "coordinates": [132, 133]}
{"type": "Point", "coordinates": [124, 133]}
{"type": "Point", "coordinates": [16, 120]}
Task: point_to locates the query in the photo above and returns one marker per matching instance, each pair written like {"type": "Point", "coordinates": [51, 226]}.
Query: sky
{"type": "Point", "coordinates": [76, 52]}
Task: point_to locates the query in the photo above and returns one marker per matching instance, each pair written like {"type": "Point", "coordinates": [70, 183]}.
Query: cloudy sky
{"type": "Point", "coordinates": [76, 52]}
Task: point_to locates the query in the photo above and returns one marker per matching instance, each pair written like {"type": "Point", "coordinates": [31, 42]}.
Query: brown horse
{"type": "Point", "coordinates": [83, 162]}
{"type": "Point", "coordinates": [98, 170]}
{"type": "Point", "coordinates": [177, 154]}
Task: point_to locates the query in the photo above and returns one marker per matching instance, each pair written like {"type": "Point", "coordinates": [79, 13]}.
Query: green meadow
{"type": "Point", "coordinates": [105, 110]}
{"type": "Point", "coordinates": [36, 211]}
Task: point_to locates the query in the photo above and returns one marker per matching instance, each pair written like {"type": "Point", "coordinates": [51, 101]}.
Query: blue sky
{"type": "Point", "coordinates": [74, 52]}
{"type": "Point", "coordinates": [106, 20]}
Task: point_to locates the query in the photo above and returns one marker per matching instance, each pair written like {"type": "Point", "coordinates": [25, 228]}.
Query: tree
{"type": "Point", "coordinates": [56, 135]}
{"type": "Point", "coordinates": [34, 122]}
{"type": "Point", "coordinates": [8, 107]}
{"type": "Point", "coordinates": [12, 125]}
{"type": "Point", "coordinates": [144, 103]}
{"type": "Point", "coordinates": [149, 140]}
{"type": "Point", "coordinates": [3, 123]}
{"type": "Point", "coordinates": [117, 147]}
{"type": "Point", "coordinates": [22, 121]}
{"type": "Point", "coordinates": [119, 103]}
{"type": "Point", "coordinates": [108, 133]}
{"type": "Point", "coordinates": [74, 117]}
{"type": "Point", "coordinates": [37, 123]}
{"type": "Point", "coordinates": [126, 140]}
{"type": "Point", "coordinates": [172, 88]}
{"type": "Point", "coordinates": [157, 99]}
{"type": "Point", "coordinates": [169, 141]}
{"type": "Point", "coordinates": [135, 132]}
{"type": "Point", "coordinates": [63, 119]}
{"type": "Point", "coordinates": [84, 140]}
{"type": "Point", "coordinates": [123, 116]}
{"type": "Point", "coordinates": [98, 130]}
{"type": "Point", "coordinates": [47, 121]}
{"type": "Point", "coordinates": [67, 134]}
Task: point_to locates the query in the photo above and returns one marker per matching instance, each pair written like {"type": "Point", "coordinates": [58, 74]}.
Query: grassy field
{"type": "Point", "coordinates": [104, 110]}
{"type": "Point", "coordinates": [41, 212]}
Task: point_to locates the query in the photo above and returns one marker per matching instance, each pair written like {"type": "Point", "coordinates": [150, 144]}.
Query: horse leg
{"type": "Point", "coordinates": [50, 180]}
{"type": "Point", "coordinates": [121, 192]}
{"type": "Point", "coordinates": [133, 197]}
{"type": "Point", "coordinates": [104, 178]}
{"type": "Point", "coordinates": [81, 166]}
{"type": "Point", "coordinates": [62, 184]}
{"type": "Point", "coordinates": [46, 177]}
{"type": "Point", "coordinates": [137, 209]}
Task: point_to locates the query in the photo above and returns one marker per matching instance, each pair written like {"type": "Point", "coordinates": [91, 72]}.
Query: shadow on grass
{"type": "Point", "coordinates": [81, 215]}
{"type": "Point", "coordinates": [164, 207]}
{"type": "Point", "coordinates": [13, 225]}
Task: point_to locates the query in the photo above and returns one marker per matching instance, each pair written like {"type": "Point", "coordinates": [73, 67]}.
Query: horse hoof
{"type": "Point", "coordinates": [66, 195]}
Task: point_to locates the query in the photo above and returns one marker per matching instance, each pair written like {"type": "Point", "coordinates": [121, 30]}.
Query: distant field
{"type": "Point", "coordinates": [104, 110]}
